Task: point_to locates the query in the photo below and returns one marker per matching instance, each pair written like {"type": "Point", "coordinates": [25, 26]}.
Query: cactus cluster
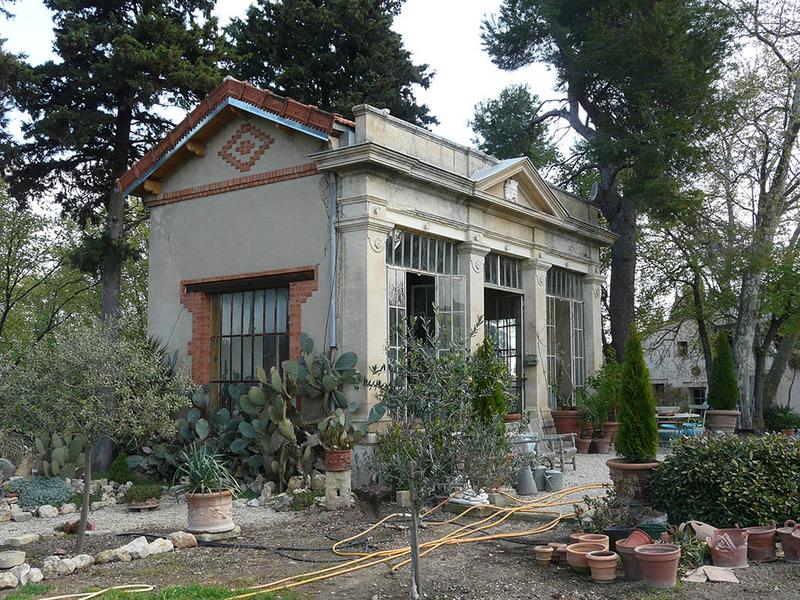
{"type": "Point", "coordinates": [60, 455]}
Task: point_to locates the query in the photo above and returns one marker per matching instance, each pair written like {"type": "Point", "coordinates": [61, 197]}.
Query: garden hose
{"type": "Point", "coordinates": [130, 589]}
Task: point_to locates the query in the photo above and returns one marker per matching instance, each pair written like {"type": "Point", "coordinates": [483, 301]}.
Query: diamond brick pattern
{"type": "Point", "coordinates": [245, 147]}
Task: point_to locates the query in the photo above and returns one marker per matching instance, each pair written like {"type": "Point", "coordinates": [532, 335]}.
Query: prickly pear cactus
{"type": "Point", "coordinates": [60, 455]}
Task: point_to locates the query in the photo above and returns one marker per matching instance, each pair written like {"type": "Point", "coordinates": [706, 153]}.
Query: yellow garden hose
{"type": "Point", "coordinates": [130, 589]}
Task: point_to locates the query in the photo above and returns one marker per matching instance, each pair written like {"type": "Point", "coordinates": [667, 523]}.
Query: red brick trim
{"type": "Point", "coordinates": [199, 304]}
{"type": "Point", "coordinates": [238, 153]}
{"type": "Point", "coordinates": [229, 185]}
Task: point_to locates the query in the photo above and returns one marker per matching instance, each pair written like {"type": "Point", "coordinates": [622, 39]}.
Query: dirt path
{"type": "Point", "coordinates": [474, 571]}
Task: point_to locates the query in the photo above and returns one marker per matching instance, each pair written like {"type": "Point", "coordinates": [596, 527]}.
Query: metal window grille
{"type": "Point", "coordinates": [421, 253]}
{"type": "Point", "coordinates": [565, 286]}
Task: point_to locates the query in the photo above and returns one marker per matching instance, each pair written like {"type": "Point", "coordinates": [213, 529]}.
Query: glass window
{"type": "Point", "coordinates": [566, 341]}
{"type": "Point", "coordinates": [504, 271]}
{"type": "Point", "coordinates": [251, 330]}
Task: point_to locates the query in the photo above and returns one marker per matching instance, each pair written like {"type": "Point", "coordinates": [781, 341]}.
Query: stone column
{"type": "Point", "coordinates": [592, 320]}
{"type": "Point", "coordinates": [534, 282]}
{"type": "Point", "coordinates": [471, 257]}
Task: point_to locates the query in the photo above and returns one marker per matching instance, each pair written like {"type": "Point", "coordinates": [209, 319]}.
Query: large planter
{"type": "Point", "coordinates": [631, 480]}
{"type": "Point", "coordinates": [728, 548]}
{"type": "Point", "coordinates": [601, 445]}
{"type": "Point", "coordinates": [659, 564]}
{"type": "Point", "coordinates": [722, 420]}
{"type": "Point", "coordinates": [761, 543]}
{"type": "Point", "coordinates": [210, 513]}
{"type": "Point", "coordinates": [790, 541]}
{"type": "Point", "coordinates": [567, 421]}
{"type": "Point", "coordinates": [582, 444]}
{"type": "Point", "coordinates": [626, 548]}
{"type": "Point", "coordinates": [338, 460]}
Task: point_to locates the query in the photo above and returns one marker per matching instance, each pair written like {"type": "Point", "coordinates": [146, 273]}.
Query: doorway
{"type": "Point", "coordinates": [503, 326]}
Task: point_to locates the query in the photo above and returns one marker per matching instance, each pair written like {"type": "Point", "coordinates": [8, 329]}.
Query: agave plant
{"type": "Point", "coordinates": [203, 472]}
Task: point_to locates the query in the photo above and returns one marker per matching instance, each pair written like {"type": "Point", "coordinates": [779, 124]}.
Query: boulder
{"type": "Point", "coordinates": [21, 516]}
{"type": "Point", "coordinates": [318, 481]}
{"type": "Point", "coordinates": [138, 548]}
{"type": "Point", "coordinates": [35, 575]}
{"type": "Point", "coordinates": [53, 566]}
{"type": "Point", "coordinates": [83, 561]}
{"type": "Point", "coordinates": [267, 491]}
{"type": "Point", "coordinates": [105, 556]}
{"type": "Point", "coordinates": [68, 509]}
{"type": "Point", "coordinates": [282, 502]}
{"type": "Point", "coordinates": [20, 540]}
{"type": "Point", "coordinates": [160, 546]}
{"type": "Point", "coordinates": [182, 539]}
{"type": "Point", "coordinates": [74, 525]}
{"type": "Point", "coordinates": [11, 558]}
{"type": "Point", "coordinates": [98, 505]}
{"type": "Point", "coordinates": [7, 581]}
{"type": "Point", "coordinates": [22, 573]}
{"type": "Point", "coordinates": [296, 482]}
{"type": "Point", "coordinates": [5, 515]}
{"type": "Point", "coordinates": [47, 511]}
{"type": "Point", "coordinates": [254, 503]}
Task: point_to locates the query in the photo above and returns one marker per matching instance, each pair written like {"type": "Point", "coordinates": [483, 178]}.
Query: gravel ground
{"type": "Point", "coordinates": [116, 519]}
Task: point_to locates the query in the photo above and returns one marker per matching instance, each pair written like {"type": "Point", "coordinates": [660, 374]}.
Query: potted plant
{"type": "Point", "coordinates": [209, 488]}
{"type": "Point", "coordinates": [567, 417]}
{"type": "Point", "coordinates": [143, 496]}
{"type": "Point", "coordinates": [637, 440]}
{"type": "Point", "coordinates": [723, 390]}
{"type": "Point", "coordinates": [594, 405]}
{"type": "Point", "coordinates": [781, 418]}
{"type": "Point", "coordinates": [338, 436]}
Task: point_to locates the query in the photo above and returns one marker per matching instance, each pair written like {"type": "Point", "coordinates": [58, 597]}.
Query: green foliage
{"type": "Point", "coordinates": [331, 53]}
{"type": "Point", "coordinates": [119, 470]}
{"type": "Point", "coordinates": [431, 398]}
{"type": "Point", "coordinates": [41, 490]}
{"type": "Point", "coordinates": [336, 431]}
{"type": "Point", "coordinates": [202, 472]}
{"type": "Point", "coordinates": [724, 480]}
{"type": "Point", "coordinates": [490, 383]}
{"type": "Point", "coordinates": [29, 591]}
{"type": "Point", "coordinates": [71, 380]}
{"type": "Point", "coordinates": [59, 455]}
{"type": "Point", "coordinates": [505, 130]}
{"type": "Point", "coordinates": [778, 418]}
{"type": "Point", "coordinates": [305, 499]}
{"type": "Point", "coordinates": [637, 440]}
{"type": "Point", "coordinates": [723, 390]}
{"type": "Point", "coordinates": [596, 513]}
{"type": "Point", "coordinates": [6, 469]}
{"type": "Point", "coordinates": [142, 492]}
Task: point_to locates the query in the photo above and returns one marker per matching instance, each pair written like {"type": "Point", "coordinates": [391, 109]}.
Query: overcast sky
{"type": "Point", "coordinates": [442, 33]}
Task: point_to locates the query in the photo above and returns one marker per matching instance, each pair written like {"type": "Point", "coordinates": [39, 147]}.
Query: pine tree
{"type": "Point", "coordinates": [94, 109]}
{"type": "Point", "coordinates": [331, 53]}
{"type": "Point", "coordinates": [637, 439]}
{"type": "Point", "coordinates": [723, 390]}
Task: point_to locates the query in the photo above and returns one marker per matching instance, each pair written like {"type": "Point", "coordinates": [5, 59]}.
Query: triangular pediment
{"type": "Point", "coordinates": [516, 180]}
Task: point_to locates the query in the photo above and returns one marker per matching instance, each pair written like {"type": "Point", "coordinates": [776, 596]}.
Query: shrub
{"type": "Point", "coordinates": [637, 439]}
{"type": "Point", "coordinates": [119, 470]}
{"type": "Point", "coordinates": [491, 383]}
{"type": "Point", "coordinates": [37, 491]}
{"type": "Point", "coordinates": [142, 492]}
{"type": "Point", "coordinates": [726, 480]}
{"type": "Point", "coordinates": [723, 390]}
{"type": "Point", "coordinates": [777, 418]}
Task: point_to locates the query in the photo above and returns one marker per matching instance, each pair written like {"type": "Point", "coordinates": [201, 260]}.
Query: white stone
{"type": "Point", "coordinates": [22, 573]}
{"type": "Point", "coordinates": [267, 491]}
{"type": "Point", "coordinates": [138, 548]}
{"type": "Point", "coordinates": [67, 509]}
{"type": "Point", "coordinates": [160, 546]}
{"type": "Point", "coordinates": [11, 558]}
{"type": "Point", "coordinates": [98, 505]}
{"type": "Point", "coordinates": [7, 581]}
{"type": "Point", "coordinates": [296, 482]}
{"type": "Point", "coordinates": [20, 540]}
{"type": "Point", "coordinates": [21, 516]}
{"type": "Point", "coordinates": [5, 515]}
{"type": "Point", "coordinates": [318, 481]}
{"type": "Point", "coordinates": [35, 575]}
{"type": "Point", "coordinates": [83, 561]}
{"type": "Point", "coordinates": [68, 564]}
{"type": "Point", "coordinates": [254, 503]}
{"type": "Point", "coordinates": [53, 566]}
{"type": "Point", "coordinates": [47, 511]}
{"type": "Point", "coordinates": [182, 539]}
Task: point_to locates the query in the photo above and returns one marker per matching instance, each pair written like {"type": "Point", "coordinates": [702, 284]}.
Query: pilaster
{"type": "Point", "coordinates": [592, 319]}
{"type": "Point", "coordinates": [471, 262]}
{"type": "Point", "coordinates": [535, 289]}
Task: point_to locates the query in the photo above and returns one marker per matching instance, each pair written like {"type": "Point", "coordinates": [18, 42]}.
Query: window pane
{"type": "Point", "coordinates": [282, 310]}
{"type": "Point", "coordinates": [236, 358]}
{"type": "Point", "coordinates": [236, 314]}
{"type": "Point", "coordinates": [423, 254]}
{"type": "Point", "coordinates": [247, 358]}
{"type": "Point", "coordinates": [398, 247]}
{"type": "Point", "coordinates": [270, 346]}
{"type": "Point", "coordinates": [406, 249]}
{"type": "Point", "coordinates": [269, 311]}
{"type": "Point", "coordinates": [415, 252]}
{"type": "Point", "coordinates": [225, 321]}
{"type": "Point", "coordinates": [247, 313]}
{"type": "Point", "coordinates": [440, 256]}
{"type": "Point", "coordinates": [283, 349]}
{"type": "Point", "coordinates": [258, 312]}
{"type": "Point", "coordinates": [444, 293]}
{"type": "Point", "coordinates": [225, 358]}
{"type": "Point", "coordinates": [258, 353]}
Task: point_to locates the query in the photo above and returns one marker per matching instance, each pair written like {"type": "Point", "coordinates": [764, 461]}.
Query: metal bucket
{"type": "Point", "coordinates": [525, 483]}
{"type": "Point", "coordinates": [555, 480]}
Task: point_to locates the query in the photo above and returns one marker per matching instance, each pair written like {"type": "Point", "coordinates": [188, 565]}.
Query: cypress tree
{"type": "Point", "coordinates": [637, 439]}
{"type": "Point", "coordinates": [723, 390]}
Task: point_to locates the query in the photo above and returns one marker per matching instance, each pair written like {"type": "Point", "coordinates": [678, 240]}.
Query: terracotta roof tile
{"type": "Point", "coordinates": [305, 114]}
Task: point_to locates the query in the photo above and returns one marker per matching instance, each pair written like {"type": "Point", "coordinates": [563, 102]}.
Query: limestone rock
{"type": "Point", "coordinates": [21, 516]}
{"type": "Point", "coordinates": [7, 581]}
{"type": "Point", "coordinates": [138, 548]}
{"type": "Point", "coordinates": [105, 556]}
{"type": "Point", "coordinates": [98, 505]}
{"type": "Point", "coordinates": [47, 511]}
{"type": "Point", "coordinates": [318, 481]}
{"type": "Point", "coordinates": [254, 503]}
{"type": "Point", "coordinates": [5, 515]}
{"type": "Point", "coordinates": [160, 546]}
{"type": "Point", "coordinates": [182, 539]}
{"type": "Point", "coordinates": [35, 575]}
{"type": "Point", "coordinates": [282, 502]}
{"type": "Point", "coordinates": [11, 558]}
{"type": "Point", "coordinates": [67, 509]}
{"type": "Point", "coordinates": [83, 561]}
{"type": "Point", "coordinates": [22, 573]}
{"type": "Point", "coordinates": [53, 566]}
{"type": "Point", "coordinates": [267, 491]}
{"type": "Point", "coordinates": [68, 564]}
{"type": "Point", "coordinates": [296, 482]}
{"type": "Point", "coordinates": [20, 540]}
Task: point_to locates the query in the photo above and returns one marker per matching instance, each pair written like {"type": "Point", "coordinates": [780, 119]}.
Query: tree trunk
{"type": "Point", "coordinates": [87, 493]}
{"type": "Point", "coordinates": [743, 342]}
{"type": "Point", "coordinates": [621, 216]}
{"type": "Point", "coordinates": [778, 367]}
{"type": "Point", "coordinates": [760, 356]}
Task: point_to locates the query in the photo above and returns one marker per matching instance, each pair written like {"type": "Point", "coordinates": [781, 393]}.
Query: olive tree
{"type": "Point", "coordinates": [91, 379]}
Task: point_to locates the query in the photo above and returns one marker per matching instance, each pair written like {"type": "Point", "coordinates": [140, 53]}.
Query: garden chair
{"type": "Point", "coordinates": [700, 410]}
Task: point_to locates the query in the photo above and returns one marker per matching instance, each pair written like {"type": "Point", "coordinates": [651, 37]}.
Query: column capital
{"type": "Point", "coordinates": [473, 248]}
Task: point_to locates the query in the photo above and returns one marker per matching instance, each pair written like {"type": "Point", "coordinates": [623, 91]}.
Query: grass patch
{"type": "Point", "coordinates": [305, 499]}
{"type": "Point", "coordinates": [29, 591]}
{"type": "Point", "coordinates": [190, 592]}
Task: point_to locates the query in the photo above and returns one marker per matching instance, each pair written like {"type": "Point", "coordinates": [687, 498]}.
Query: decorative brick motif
{"type": "Point", "coordinates": [229, 185]}
{"type": "Point", "coordinates": [245, 147]}
{"type": "Point", "coordinates": [200, 306]}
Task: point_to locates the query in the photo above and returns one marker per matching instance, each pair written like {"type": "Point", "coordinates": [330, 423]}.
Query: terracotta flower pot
{"type": "Point", "coordinates": [567, 421]}
{"type": "Point", "coordinates": [722, 420]}
{"type": "Point", "coordinates": [761, 543]}
{"type": "Point", "coordinates": [728, 548]}
{"type": "Point", "coordinates": [601, 445]}
{"type": "Point", "coordinates": [594, 538]}
{"type": "Point", "coordinates": [576, 555]}
{"type": "Point", "coordinates": [659, 564]}
{"type": "Point", "coordinates": [631, 480]}
{"type": "Point", "coordinates": [338, 460]}
{"type": "Point", "coordinates": [575, 536]}
{"type": "Point", "coordinates": [544, 555]}
{"type": "Point", "coordinates": [616, 533]}
{"type": "Point", "coordinates": [210, 513]}
{"type": "Point", "coordinates": [582, 444]}
{"type": "Point", "coordinates": [626, 547]}
{"type": "Point", "coordinates": [150, 504]}
{"type": "Point", "coordinates": [613, 429]}
{"type": "Point", "coordinates": [788, 432]}
{"type": "Point", "coordinates": [603, 565]}
{"type": "Point", "coordinates": [512, 418]}
{"type": "Point", "coordinates": [559, 552]}
{"type": "Point", "coordinates": [790, 541]}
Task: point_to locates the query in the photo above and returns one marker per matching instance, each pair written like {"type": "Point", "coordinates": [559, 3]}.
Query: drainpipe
{"type": "Point", "coordinates": [332, 203]}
